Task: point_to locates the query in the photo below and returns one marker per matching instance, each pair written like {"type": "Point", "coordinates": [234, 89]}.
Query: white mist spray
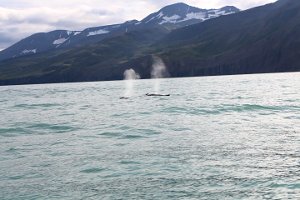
{"type": "Point", "coordinates": [159, 70]}
{"type": "Point", "coordinates": [129, 76]}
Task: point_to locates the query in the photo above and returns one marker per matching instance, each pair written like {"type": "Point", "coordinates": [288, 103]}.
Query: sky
{"type": "Point", "coordinates": [22, 18]}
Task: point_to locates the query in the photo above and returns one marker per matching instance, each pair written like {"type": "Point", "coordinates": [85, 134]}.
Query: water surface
{"type": "Point", "coordinates": [231, 137]}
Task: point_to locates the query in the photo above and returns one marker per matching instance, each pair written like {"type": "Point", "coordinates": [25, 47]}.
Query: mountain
{"type": "Point", "coordinates": [259, 40]}
{"type": "Point", "coordinates": [102, 60]}
{"type": "Point", "coordinates": [42, 42]}
{"type": "Point", "coordinates": [180, 15]}
{"type": "Point", "coordinates": [171, 17]}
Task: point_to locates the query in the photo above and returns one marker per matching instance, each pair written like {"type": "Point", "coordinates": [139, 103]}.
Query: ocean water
{"type": "Point", "coordinates": [230, 137]}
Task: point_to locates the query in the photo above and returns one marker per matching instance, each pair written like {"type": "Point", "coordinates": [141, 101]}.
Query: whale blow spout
{"type": "Point", "coordinates": [159, 71]}
{"type": "Point", "coordinates": [129, 76]}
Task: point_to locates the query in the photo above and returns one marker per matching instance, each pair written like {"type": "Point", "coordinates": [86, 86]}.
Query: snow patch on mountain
{"type": "Point", "coordinates": [194, 15]}
{"type": "Point", "coordinates": [223, 12]}
{"type": "Point", "coordinates": [150, 20]}
{"type": "Point", "coordinates": [173, 19]}
{"type": "Point", "coordinates": [59, 41]}
{"type": "Point", "coordinates": [27, 51]}
{"type": "Point", "coordinates": [98, 32]}
{"type": "Point", "coordinates": [70, 33]}
{"type": "Point", "coordinates": [217, 13]}
{"type": "Point", "coordinates": [77, 33]}
{"type": "Point", "coordinates": [160, 15]}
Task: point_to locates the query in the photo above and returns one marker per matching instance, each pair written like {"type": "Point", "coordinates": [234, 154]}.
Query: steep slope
{"type": "Point", "coordinates": [263, 39]}
{"type": "Point", "coordinates": [173, 16]}
{"type": "Point", "coordinates": [105, 60]}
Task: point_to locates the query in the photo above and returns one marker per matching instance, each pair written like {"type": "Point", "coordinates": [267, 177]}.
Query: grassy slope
{"type": "Point", "coordinates": [263, 39]}
{"type": "Point", "coordinates": [100, 61]}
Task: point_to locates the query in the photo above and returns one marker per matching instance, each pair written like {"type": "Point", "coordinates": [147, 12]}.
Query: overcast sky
{"type": "Point", "coordinates": [21, 18]}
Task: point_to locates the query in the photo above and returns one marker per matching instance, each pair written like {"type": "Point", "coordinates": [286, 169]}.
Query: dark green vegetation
{"type": "Point", "coordinates": [259, 40]}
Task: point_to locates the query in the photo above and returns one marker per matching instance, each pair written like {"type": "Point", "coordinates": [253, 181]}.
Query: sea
{"type": "Point", "coordinates": [225, 137]}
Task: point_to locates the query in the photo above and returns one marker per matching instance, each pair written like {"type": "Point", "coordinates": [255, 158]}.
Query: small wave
{"type": "Point", "coordinates": [12, 132]}
{"type": "Point", "coordinates": [120, 115]}
{"type": "Point", "coordinates": [57, 143]}
{"type": "Point", "coordinates": [179, 129]}
{"type": "Point", "coordinates": [254, 107]}
{"type": "Point", "coordinates": [31, 106]}
{"type": "Point", "coordinates": [127, 135]}
{"type": "Point", "coordinates": [110, 134]}
{"type": "Point", "coordinates": [52, 127]}
{"type": "Point", "coordinates": [220, 109]}
{"type": "Point", "coordinates": [124, 128]}
{"type": "Point", "coordinates": [289, 186]}
{"type": "Point", "coordinates": [132, 136]}
{"type": "Point", "coordinates": [92, 170]}
{"type": "Point", "coordinates": [191, 111]}
{"type": "Point", "coordinates": [85, 107]}
{"type": "Point", "coordinates": [17, 177]}
{"type": "Point", "coordinates": [129, 162]}
{"type": "Point", "coordinates": [11, 150]}
{"type": "Point", "coordinates": [176, 110]}
{"type": "Point", "coordinates": [148, 131]}
{"type": "Point", "coordinates": [120, 144]}
{"type": "Point", "coordinates": [145, 113]}
{"type": "Point", "coordinates": [292, 100]}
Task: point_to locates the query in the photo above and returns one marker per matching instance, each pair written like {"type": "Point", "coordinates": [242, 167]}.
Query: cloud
{"type": "Point", "coordinates": [245, 4]}
{"type": "Point", "coordinates": [21, 18]}
{"type": "Point", "coordinates": [5, 40]}
{"type": "Point", "coordinates": [16, 24]}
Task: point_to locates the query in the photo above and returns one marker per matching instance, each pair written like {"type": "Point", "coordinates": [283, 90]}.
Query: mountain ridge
{"type": "Point", "coordinates": [53, 40]}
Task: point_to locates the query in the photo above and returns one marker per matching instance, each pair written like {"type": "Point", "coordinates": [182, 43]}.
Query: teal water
{"type": "Point", "coordinates": [231, 137]}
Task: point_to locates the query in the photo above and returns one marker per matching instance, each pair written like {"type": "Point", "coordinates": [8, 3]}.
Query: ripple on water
{"type": "Point", "coordinates": [44, 127]}
{"type": "Point", "coordinates": [190, 111]}
{"type": "Point", "coordinates": [11, 150]}
{"type": "Point", "coordinates": [286, 185]}
{"type": "Point", "coordinates": [221, 109]}
{"type": "Point", "coordinates": [254, 107]}
{"type": "Point", "coordinates": [12, 132]}
{"type": "Point", "coordinates": [123, 135]}
{"type": "Point", "coordinates": [131, 136]}
{"type": "Point", "coordinates": [18, 177]}
{"type": "Point", "coordinates": [121, 115]}
{"type": "Point", "coordinates": [111, 134]}
{"type": "Point", "coordinates": [180, 129]}
{"type": "Point", "coordinates": [37, 106]}
{"type": "Point", "coordinates": [147, 131]}
{"type": "Point", "coordinates": [92, 170]}
{"type": "Point", "coordinates": [129, 162]}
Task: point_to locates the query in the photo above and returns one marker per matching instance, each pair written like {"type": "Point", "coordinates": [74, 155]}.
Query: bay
{"type": "Point", "coordinates": [229, 137]}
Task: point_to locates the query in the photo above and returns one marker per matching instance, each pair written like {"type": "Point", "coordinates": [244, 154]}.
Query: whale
{"type": "Point", "coordinates": [157, 95]}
